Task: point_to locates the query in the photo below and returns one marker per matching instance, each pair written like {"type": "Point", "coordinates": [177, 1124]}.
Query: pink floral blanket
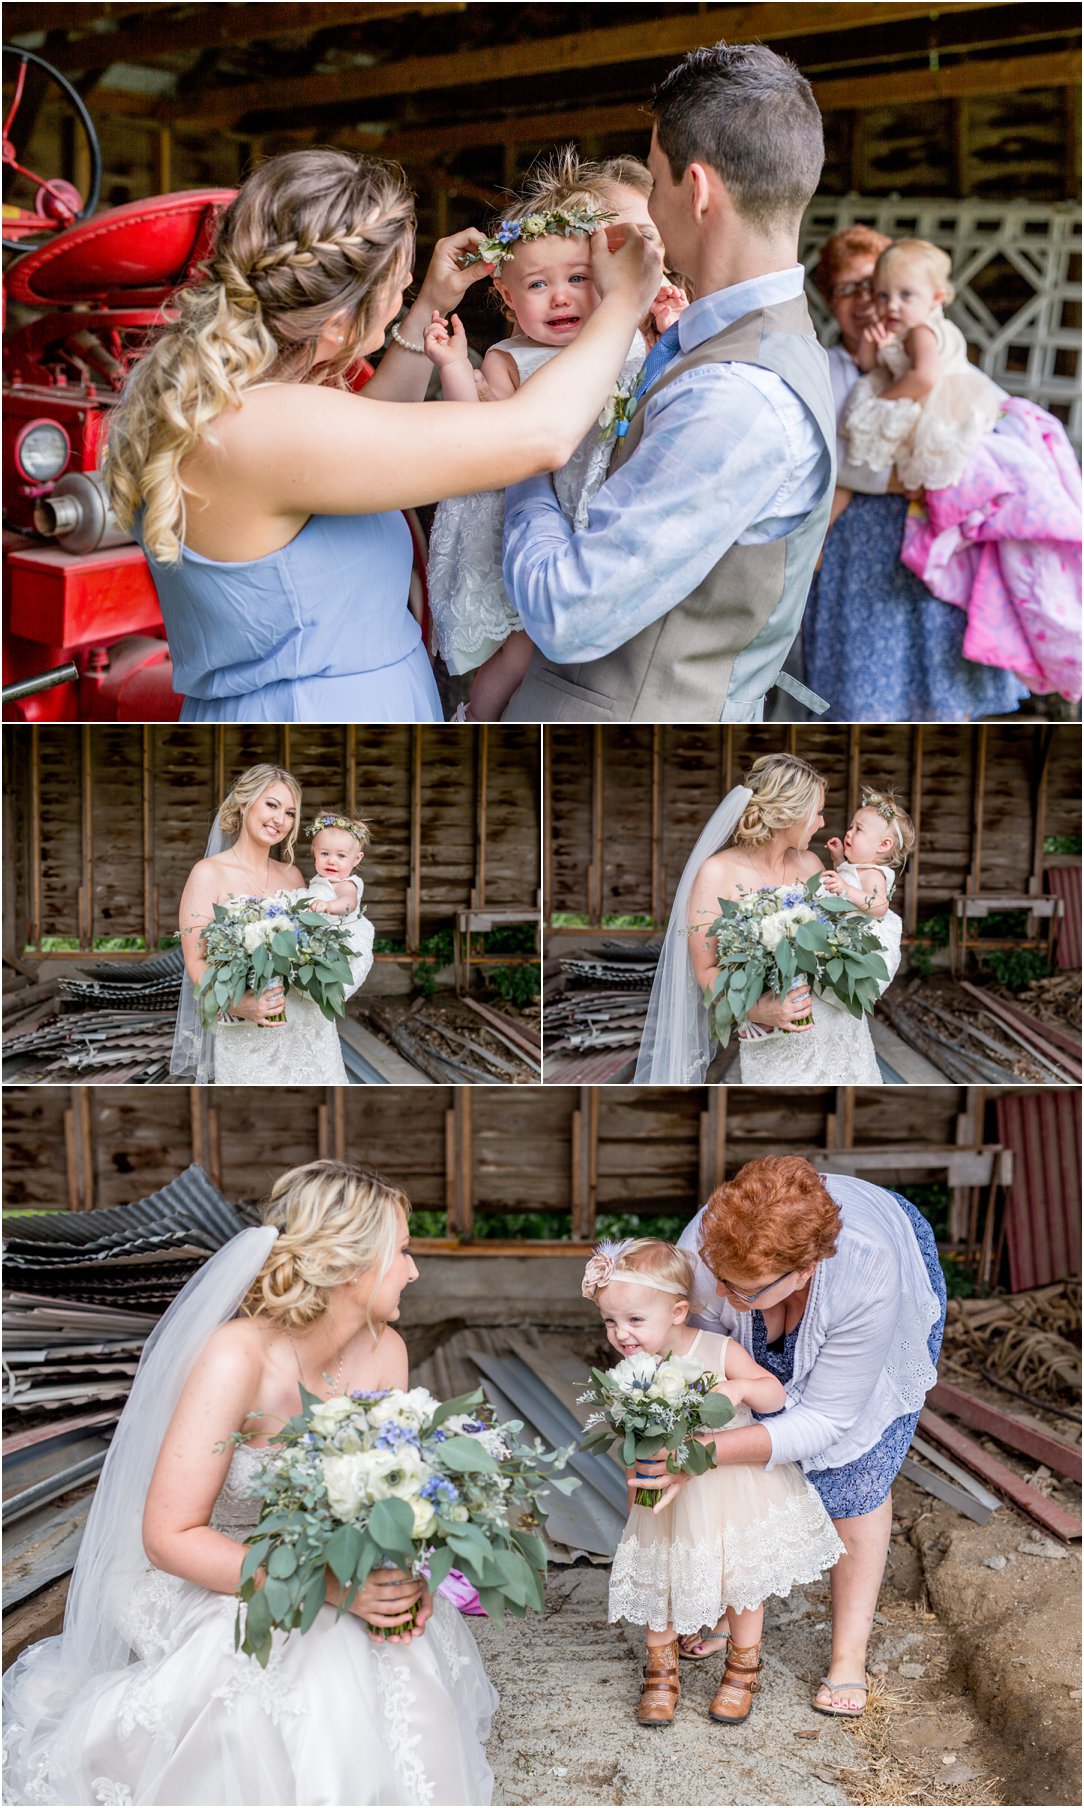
{"type": "Point", "coordinates": [1005, 544]}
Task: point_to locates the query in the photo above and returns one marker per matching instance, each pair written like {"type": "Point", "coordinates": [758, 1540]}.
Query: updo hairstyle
{"type": "Point", "coordinates": [246, 789]}
{"type": "Point", "coordinates": [310, 236]}
{"type": "Point", "coordinates": [785, 790]}
{"type": "Point", "coordinates": [334, 1222]}
{"type": "Point", "coordinates": [775, 1215]}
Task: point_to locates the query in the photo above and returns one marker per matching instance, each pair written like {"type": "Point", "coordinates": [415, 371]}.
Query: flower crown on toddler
{"type": "Point", "coordinates": [873, 800]}
{"type": "Point", "coordinates": [561, 222]}
{"type": "Point", "coordinates": [357, 829]}
{"type": "Point", "coordinates": [605, 1266]}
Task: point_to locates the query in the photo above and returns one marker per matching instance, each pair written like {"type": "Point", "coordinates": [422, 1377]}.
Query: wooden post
{"type": "Point", "coordinates": [163, 167]}
{"type": "Point", "coordinates": [1039, 788]}
{"type": "Point", "coordinates": [910, 884]}
{"type": "Point", "coordinates": [481, 786]}
{"type": "Point", "coordinates": [350, 756]}
{"type": "Point", "coordinates": [549, 901]}
{"type": "Point", "coordinates": [974, 878]}
{"type": "Point", "coordinates": [854, 768]}
{"type": "Point", "coordinates": [323, 1147]}
{"type": "Point", "coordinates": [462, 1225]}
{"type": "Point", "coordinates": [150, 892]}
{"type": "Point", "coordinates": [219, 764]}
{"type": "Point", "coordinates": [595, 871]}
{"type": "Point", "coordinates": [585, 1165]}
{"type": "Point", "coordinates": [839, 1123]}
{"type": "Point", "coordinates": [968, 1131]}
{"type": "Point", "coordinates": [79, 1150]}
{"type": "Point", "coordinates": [728, 744]}
{"type": "Point", "coordinates": [337, 1095]}
{"type": "Point", "coordinates": [658, 895]}
{"type": "Point", "coordinates": [34, 836]}
{"type": "Point", "coordinates": [414, 877]}
{"type": "Point", "coordinates": [86, 774]}
{"type": "Point", "coordinates": [713, 1142]}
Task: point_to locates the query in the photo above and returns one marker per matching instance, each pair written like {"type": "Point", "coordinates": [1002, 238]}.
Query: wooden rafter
{"type": "Point", "coordinates": [660, 38]}
{"type": "Point", "coordinates": [222, 28]}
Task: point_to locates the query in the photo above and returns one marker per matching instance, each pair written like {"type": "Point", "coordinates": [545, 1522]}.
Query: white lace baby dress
{"type": "Point", "coordinates": [732, 1537]}
{"type": "Point", "coordinates": [334, 1719]}
{"type": "Point", "coordinates": [361, 931]}
{"type": "Point", "coordinates": [471, 612]}
{"type": "Point", "coordinates": [929, 442]}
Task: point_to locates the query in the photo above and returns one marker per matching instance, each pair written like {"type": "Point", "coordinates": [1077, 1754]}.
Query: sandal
{"type": "Point", "coordinates": [839, 1688]}
{"type": "Point", "coordinates": [717, 1641]}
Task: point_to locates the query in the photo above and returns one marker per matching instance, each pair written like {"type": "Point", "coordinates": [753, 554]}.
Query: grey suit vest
{"type": "Point", "coordinates": [714, 655]}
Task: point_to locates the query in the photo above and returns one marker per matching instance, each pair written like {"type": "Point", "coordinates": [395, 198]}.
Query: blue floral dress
{"type": "Point", "coordinates": [875, 642]}
{"type": "Point", "coordinates": [860, 1486]}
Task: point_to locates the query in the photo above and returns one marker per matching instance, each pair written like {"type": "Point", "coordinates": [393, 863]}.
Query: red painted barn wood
{"type": "Point", "coordinates": [1042, 1208]}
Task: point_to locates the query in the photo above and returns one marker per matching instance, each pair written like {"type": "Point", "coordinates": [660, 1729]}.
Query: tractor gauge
{"type": "Point", "coordinates": [42, 450]}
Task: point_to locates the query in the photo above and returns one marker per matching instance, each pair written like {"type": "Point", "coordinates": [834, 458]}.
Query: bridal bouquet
{"type": "Point", "coordinates": [368, 1480]}
{"type": "Point", "coordinates": [251, 941]}
{"type": "Point", "coordinates": [653, 1403]}
{"type": "Point", "coordinates": [768, 939]}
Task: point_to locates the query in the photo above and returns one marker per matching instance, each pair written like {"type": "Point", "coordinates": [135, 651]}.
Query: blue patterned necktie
{"type": "Point", "coordinates": [660, 356]}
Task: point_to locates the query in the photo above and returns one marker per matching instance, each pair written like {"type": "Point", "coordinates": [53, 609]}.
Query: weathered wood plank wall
{"type": "Point", "coordinates": [123, 812]}
{"type": "Point", "coordinates": [627, 804]}
{"type": "Point", "coordinates": [647, 1149]}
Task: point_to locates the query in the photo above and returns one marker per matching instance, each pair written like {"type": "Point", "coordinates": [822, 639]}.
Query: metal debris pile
{"type": "Point", "coordinates": [1024, 1343]}
{"type": "Point", "coordinates": [455, 1041]}
{"type": "Point", "coordinates": [1055, 999]}
{"type": "Point", "coordinates": [602, 1000]}
{"type": "Point", "coordinates": [83, 1292]}
{"type": "Point", "coordinates": [975, 1035]}
{"type": "Point", "coordinates": [114, 1023]}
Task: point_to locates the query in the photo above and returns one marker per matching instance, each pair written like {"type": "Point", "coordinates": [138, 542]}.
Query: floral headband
{"type": "Point", "coordinates": [872, 800]}
{"type": "Point", "coordinates": [605, 1266]}
{"type": "Point", "coordinates": [562, 222]}
{"type": "Point", "coordinates": [357, 829]}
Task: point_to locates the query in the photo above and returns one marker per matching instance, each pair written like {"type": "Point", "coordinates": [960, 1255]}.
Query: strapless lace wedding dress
{"type": "Point", "coordinates": [838, 1050]}
{"type": "Point", "coordinates": [304, 1049]}
{"type": "Point", "coordinates": [334, 1719]}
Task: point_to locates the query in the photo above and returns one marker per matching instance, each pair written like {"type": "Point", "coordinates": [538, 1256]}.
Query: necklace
{"type": "Point", "coordinates": [335, 1382]}
{"type": "Point", "coordinates": [263, 883]}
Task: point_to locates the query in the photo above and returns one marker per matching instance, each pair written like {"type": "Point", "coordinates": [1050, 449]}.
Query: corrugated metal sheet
{"type": "Point", "coordinates": [1042, 1209]}
{"type": "Point", "coordinates": [1064, 882]}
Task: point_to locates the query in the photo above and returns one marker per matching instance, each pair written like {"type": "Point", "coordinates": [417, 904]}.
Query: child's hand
{"type": "Point", "coordinates": [872, 338]}
{"type": "Point", "coordinates": [833, 883]}
{"type": "Point", "coordinates": [444, 347]}
{"type": "Point", "coordinates": [651, 1472]}
{"type": "Point", "coordinates": [835, 850]}
{"type": "Point", "coordinates": [667, 305]}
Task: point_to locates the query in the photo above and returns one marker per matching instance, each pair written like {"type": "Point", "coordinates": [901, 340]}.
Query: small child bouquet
{"type": "Point", "coordinates": [251, 941]}
{"type": "Point", "coordinates": [653, 1403]}
{"type": "Point", "coordinates": [370, 1480]}
{"type": "Point", "coordinates": [770, 939]}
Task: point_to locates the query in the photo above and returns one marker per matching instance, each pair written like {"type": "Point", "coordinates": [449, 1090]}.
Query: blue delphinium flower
{"type": "Point", "coordinates": [508, 232]}
{"type": "Point", "coordinates": [391, 1436]}
{"type": "Point", "coordinates": [440, 1491]}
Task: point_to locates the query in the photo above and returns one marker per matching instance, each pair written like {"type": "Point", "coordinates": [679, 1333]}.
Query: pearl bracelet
{"type": "Point", "coordinates": [408, 345]}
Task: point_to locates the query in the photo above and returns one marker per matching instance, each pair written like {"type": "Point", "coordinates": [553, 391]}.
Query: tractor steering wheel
{"type": "Point", "coordinates": [58, 202]}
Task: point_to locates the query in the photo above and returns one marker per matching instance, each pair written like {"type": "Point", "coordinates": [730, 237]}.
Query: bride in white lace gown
{"type": "Point", "coordinates": [758, 837]}
{"type": "Point", "coordinates": [143, 1698]}
{"type": "Point", "coordinates": [261, 813]}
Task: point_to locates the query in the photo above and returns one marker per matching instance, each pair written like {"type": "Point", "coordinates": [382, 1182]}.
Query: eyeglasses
{"type": "Point", "coordinates": [750, 1299]}
{"type": "Point", "coordinates": [844, 290]}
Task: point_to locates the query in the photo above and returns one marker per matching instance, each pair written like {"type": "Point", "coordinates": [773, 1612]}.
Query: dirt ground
{"type": "Point", "coordinates": [975, 1657]}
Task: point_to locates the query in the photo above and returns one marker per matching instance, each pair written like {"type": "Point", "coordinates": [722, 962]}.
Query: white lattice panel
{"type": "Point", "coordinates": [1016, 268]}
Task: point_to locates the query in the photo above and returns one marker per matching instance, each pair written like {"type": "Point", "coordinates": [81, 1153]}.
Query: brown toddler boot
{"type": "Point", "coordinates": [733, 1700]}
{"type": "Point", "coordinates": [660, 1688]}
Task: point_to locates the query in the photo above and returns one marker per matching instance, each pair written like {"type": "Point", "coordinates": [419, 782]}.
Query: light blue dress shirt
{"type": "Point", "coordinates": [729, 455]}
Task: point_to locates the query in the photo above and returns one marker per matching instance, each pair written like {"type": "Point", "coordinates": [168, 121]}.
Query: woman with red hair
{"type": "Point", "coordinates": [874, 640]}
{"type": "Point", "coordinates": [834, 1285]}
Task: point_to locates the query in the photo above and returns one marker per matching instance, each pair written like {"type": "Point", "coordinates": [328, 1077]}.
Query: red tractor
{"type": "Point", "coordinates": [83, 635]}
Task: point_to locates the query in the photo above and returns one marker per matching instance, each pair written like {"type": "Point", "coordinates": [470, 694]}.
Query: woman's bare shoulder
{"type": "Point", "coordinates": [807, 862]}
{"type": "Point", "coordinates": [238, 1348]}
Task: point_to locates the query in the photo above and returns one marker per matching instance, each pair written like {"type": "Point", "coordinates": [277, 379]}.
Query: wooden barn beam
{"type": "Point", "coordinates": [852, 94]}
{"type": "Point", "coordinates": [668, 36]}
{"type": "Point", "coordinates": [218, 28]}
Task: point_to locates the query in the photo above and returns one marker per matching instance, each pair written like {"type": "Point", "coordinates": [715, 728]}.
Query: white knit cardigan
{"type": "Point", "coordinates": [860, 1357]}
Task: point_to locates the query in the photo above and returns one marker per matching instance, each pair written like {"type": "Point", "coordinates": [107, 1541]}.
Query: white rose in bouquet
{"type": "Point", "coordinates": [634, 1371]}
{"type": "Point", "coordinates": [258, 935]}
{"type": "Point", "coordinates": [411, 1408]}
{"type": "Point", "coordinates": [327, 1414]}
{"type": "Point", "coordinates": [346, 1479]}
{"type": "Point", "coordinates": [687, 1366]}
{"type": "Point", "coordinates": [669, 1383]}
{"type": "Point", "coordinates": [424, 1516]}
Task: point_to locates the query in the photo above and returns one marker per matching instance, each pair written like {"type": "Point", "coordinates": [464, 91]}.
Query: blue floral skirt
{"type": "Point", "coordinates": [860, 1486]}
{"type": "Point", "coordinates": [877, 645]}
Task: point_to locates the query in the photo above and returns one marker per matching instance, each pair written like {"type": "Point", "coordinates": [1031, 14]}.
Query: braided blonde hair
{"type": "Point", "coordinates": [334, 1222]}
{"type": "Point", "coordinates": [246, 789]}
{"type": "Point", "coordinates": [310, 235]}
{"type": "Point", "coordinates": [785, 790]}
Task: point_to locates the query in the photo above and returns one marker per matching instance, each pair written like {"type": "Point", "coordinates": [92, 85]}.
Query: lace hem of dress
{"type": "Point", "coordinates": [397, 1699]}
{"type": "Point", "coordinates": [688, 1586]}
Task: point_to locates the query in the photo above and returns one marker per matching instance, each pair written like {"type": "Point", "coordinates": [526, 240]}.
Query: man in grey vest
{"type": "Point", "coordinates": [681, 598]}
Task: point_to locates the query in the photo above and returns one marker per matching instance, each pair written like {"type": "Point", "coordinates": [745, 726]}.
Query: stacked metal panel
{"type": "Point", "coordinates": [120, 1029]}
